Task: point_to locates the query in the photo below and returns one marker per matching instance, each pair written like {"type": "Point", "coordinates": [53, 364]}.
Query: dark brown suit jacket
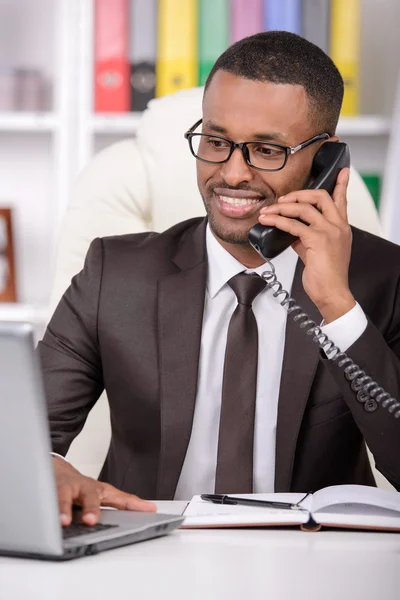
{"type": "Point", "coordinates": [131, 322]}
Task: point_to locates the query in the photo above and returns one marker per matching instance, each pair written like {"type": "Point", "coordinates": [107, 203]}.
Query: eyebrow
{"type": "Point", "coordinates": [262, 137]}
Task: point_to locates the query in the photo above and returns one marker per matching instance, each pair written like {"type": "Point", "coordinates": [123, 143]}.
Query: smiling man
{"type": "Point", "coordinates": [210, 387]}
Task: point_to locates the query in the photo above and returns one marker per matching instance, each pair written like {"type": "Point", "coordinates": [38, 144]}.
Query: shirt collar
{"type": "Point", "coordinates": [222, 266]}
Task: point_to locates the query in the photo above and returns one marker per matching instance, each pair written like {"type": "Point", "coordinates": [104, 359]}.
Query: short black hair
{"type": "Point", "coordinates": [283, 57]}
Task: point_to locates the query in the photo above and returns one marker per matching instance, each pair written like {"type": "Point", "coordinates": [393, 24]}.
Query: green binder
{"type": "Point", "coordinates": [373, 183]}
{"type": "Point", "coordinates": [214, 27]}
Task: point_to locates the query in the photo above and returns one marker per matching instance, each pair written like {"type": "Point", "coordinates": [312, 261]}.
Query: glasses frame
{"type": "Point", "coordinates": [289, 150]}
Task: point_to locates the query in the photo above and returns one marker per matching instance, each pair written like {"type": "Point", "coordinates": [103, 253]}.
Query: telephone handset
{"type": "Point", "coordinates": [270, 241]}
{"type": "Point", "coordinates": [328, 162]}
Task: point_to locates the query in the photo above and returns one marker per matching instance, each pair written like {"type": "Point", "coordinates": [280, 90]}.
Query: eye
{"type": "Point", "coordinates": [268, 151]}
{"type": "Point", "coordinates": [216, 143]}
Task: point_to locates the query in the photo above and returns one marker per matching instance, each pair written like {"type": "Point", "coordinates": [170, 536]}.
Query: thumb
{"type": "Point", "coordinates": [115, 498]}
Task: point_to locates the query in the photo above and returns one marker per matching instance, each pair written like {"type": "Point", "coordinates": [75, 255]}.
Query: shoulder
{"type": "Point", "coordinates": [373, 255]}
{"type": "Point", "coordinates": [142, 251]}
{"type": "Point", "coordinates": [366, 244]}
{"type": "Point", "coordinates": [150, 240]}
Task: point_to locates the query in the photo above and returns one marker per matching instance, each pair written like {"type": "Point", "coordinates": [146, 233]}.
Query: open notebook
{"type": "Point", "coordinates": [349, 506]}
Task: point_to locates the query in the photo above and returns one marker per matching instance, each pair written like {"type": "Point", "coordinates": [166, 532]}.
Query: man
{"type": "Point", "coordinates": [208, 387]}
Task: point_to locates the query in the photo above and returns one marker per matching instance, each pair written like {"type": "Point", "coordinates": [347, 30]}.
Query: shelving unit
{"type": "Point", "coordinates": [29, 122]}
{"type": "Point", "coordinates": [36, 148]}
{"type": "Point", "coordinates": [366, 131]}
{"type": "Point", "coordinates": [42, 153]}
{"type": "Point", "coordinates": [364, 125]}
{"type": "Point", "coordinates": [19, 311]}
{"type": "Point", "coordinates": [109, 123]}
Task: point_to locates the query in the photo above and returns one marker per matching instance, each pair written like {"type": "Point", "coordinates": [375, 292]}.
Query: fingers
{"type": "Point", "coordinates": [299, 210]}
{"type": "Point", "coordinates": [65, 503]}
{"type": "Point", "coordinates": [89, 499]}
{"type": "Point", "coordinates": [333, 208]}
{"type": "Point", "coordinates": [113, 497]}
{"type": "Point", "coordinates": [84, 492]}
{"type": "Point", "coordinates": [290, 225]}
{"type": "Point", "coordinates": [90, 494]}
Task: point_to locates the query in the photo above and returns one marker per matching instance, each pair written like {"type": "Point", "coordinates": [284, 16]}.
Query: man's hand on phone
{"type": "Point", "coordinates": [324, 245]}
{"type": "Point", "coordinates": [90, 494]}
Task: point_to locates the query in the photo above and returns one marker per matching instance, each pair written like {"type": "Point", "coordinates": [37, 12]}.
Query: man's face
{"type": "Point", "coordinates": [243, 110]}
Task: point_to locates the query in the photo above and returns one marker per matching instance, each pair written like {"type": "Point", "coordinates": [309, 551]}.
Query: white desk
{"type": "Point", "coordinates": [220, 565]}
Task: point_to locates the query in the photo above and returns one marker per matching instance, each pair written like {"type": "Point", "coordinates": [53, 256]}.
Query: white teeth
{"type": "Point", "coordinates": [238, 201]}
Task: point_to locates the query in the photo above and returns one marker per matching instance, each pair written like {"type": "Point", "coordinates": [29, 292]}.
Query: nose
{"type": "Point", "coordinates": [236, 170]}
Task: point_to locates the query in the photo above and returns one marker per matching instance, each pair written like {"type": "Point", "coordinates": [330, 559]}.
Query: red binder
{"type": "Point", "coordinates": [112, 71]}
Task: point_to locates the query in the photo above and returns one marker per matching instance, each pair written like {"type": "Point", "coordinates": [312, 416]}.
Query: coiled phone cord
{"type": "Point", "coordinates": [359, 379]}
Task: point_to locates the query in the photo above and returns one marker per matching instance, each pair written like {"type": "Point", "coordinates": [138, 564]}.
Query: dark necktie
{"type": "Point", "coordinates": [236, 431]}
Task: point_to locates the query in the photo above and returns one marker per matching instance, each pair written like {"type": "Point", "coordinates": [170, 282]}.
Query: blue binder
{"type": "Point", "coordinates": [283, 15]}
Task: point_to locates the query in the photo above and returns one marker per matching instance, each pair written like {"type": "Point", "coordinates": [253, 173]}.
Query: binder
{"type": "Point", "coordinates": [316, 22]}
{"type": "Point", "coordinates": [374, 184]}
{"type": "Point", "coordinates": [247, 18]}
{"type": "Point", "coordinates": [8, 287]}
{"type": "Point", "coordinates": [213, 34]}
{"type": "Point", "coordinates": [176, 67]}
{"type": "Point", "coordinates": [345, 50]}
{"type": "Point", "coordinates": [142, 52]}
{"type": "Point", "coordinates": [111, 56]}
{"type": "Point", "coordinates": [283, 15]}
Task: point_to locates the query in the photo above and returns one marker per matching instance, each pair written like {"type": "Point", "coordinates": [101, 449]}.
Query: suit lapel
{"type": "Point", "coordinates": [300, 360]}
{"type": "Point", "coordinates": [180, 317]}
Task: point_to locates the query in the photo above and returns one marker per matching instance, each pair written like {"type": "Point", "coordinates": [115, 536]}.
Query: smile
{"type": "Point", "coordinates": [239, 201]}
{"type": "Point", "coordinates": [238, 206]}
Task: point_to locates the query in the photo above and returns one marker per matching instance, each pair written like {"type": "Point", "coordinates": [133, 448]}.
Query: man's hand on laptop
{"type": "Point", "coordinates": [90, 494]}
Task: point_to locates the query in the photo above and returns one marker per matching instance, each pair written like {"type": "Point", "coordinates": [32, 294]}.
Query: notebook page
{"type": "Point", "coordinates": [200, 513]}
{"type": "Point", "coordinates": [358, 515]}
{"type": "Point", "coordinates": [349, 495]}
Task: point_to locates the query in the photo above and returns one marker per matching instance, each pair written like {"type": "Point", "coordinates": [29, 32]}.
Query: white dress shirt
{"type": "Point", "coordinates": [198, 472]}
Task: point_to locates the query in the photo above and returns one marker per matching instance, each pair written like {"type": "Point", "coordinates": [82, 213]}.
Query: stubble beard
{"type": "Point", "coordinates": [231, 237]}
{"type": "Point", "coordinates": [238, 236]}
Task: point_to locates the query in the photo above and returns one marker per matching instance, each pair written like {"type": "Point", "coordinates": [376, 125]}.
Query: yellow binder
{"type": "Point", "coordinates": [177, 46]}
{"type": "Point", "coordinates": [345, 49]}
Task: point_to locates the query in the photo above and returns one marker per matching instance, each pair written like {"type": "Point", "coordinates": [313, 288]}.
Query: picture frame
{"type": "Point", "coordinates": [8, 291]}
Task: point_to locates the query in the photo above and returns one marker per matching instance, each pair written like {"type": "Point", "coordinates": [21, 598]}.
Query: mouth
{"type": "Point", "coordinates": [238, 204]}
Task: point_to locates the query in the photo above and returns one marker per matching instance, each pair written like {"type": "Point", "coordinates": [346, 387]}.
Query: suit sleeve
{"type": "Point", "coordinates": [69, 354]}
{"type": "Point", "coordinates": [379, 357]}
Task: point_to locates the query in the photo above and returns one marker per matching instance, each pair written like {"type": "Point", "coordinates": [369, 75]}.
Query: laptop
{"type": "Point", "coordinates": [29, 517]}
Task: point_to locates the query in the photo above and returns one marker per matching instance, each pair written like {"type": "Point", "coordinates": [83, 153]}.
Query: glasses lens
{"type": "Point", "coordinates": [211, 148]}
{"type": "Point", "coordinates": [265, 156]}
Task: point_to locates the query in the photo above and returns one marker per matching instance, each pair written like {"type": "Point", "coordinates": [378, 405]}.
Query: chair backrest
{"type": "Point", "coordinates": [149, 183]}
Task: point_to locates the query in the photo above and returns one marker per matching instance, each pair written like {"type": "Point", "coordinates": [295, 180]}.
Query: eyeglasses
{"type": "Point", "coordinates": [216, 149]}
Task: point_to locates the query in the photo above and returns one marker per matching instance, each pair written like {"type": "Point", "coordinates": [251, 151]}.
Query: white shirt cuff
{"type": "Point", "coordinates": [59, 456]}
{"type": "Point", "coordinates": [347, 329]}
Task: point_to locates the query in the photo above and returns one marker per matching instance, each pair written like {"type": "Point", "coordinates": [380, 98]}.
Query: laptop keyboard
{"type": "Point", "coordinates": [76, 529]}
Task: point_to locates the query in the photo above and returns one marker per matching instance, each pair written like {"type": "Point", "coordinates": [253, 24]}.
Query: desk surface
{"type": "Point", "coordinates": [220, 564]}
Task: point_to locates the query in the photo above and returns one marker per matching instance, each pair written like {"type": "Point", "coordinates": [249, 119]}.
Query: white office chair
{"type": "Point", "coordinates": [141, 184]}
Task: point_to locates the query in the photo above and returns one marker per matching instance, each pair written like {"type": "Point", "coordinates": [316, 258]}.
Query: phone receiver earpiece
{"type": "Point", "coordinates": [330, 159]}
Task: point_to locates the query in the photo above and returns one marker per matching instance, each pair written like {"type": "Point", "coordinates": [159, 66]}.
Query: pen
{"type": "Point", "coordinates": [223, 499]}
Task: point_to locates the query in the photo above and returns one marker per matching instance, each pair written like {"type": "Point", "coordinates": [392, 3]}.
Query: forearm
{"type": "Point", "coordinates": [70, 355]}
{"type": "Point", "coordinates": [72, 388]}
{"type": "Point", "coordinates": [379, 427]}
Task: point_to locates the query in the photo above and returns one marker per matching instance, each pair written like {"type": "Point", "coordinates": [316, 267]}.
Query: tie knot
{"type": "Point", "coordinates": [246, 287]}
